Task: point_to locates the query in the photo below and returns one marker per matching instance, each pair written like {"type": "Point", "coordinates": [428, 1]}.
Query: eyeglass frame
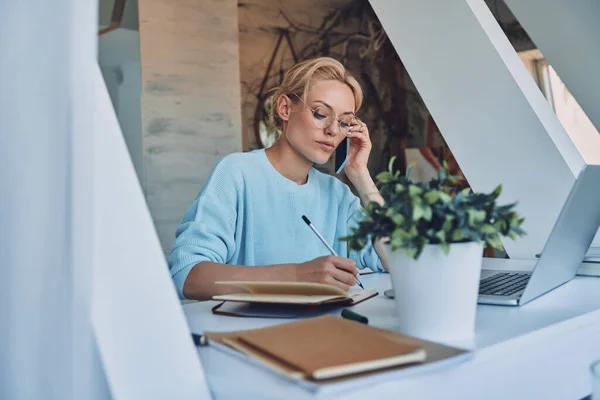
{"type": "Point", "coordinates": [334, 113]}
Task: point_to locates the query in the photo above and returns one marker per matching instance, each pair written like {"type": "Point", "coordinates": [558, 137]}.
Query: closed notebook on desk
{"type": "Point", "coordinates": [324, 348]}
{"type": "Point", "coordinates": [296, 293]}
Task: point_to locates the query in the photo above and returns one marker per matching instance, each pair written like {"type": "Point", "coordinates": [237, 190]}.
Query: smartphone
{"type": "Point", "coordinates": [341, 155]}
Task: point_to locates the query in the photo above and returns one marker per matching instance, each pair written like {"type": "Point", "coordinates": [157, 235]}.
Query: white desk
{"type": "Point", "coordinates": [538, 351]}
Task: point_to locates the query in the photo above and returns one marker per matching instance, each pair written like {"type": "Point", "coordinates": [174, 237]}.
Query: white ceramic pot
{"type": "Point", "coordinates": [436, 295]}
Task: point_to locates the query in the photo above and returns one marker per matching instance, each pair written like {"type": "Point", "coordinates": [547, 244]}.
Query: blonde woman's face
{"type": "Point", "coordinates": [305, 131]}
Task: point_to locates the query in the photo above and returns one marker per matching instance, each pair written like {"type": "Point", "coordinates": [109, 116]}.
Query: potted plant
{"type": "Point", "coordinates": [433, 234]}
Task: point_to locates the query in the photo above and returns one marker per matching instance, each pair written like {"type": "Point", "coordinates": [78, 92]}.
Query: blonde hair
{"type": "Point", "coordinates": [299, 78]}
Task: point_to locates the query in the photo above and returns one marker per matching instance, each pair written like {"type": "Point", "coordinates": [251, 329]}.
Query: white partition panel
{"type": "Point", "coordinates": [47, 57]}
{"type": "Point", "coordinates": [89, 377]}
{"type": "Point", "coordinates": [568, 34]}
{"type": "Point", "coordinates": [142, 334]}
{"type": "Point", "coordinates": [487, 106]}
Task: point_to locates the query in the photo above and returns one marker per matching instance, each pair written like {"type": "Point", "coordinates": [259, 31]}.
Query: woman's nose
{"type": "Point", "coordinates": [332, 129]}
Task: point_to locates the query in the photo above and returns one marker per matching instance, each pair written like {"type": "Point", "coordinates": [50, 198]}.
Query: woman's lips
{"type": "Point", "coordinates": [326, 146]}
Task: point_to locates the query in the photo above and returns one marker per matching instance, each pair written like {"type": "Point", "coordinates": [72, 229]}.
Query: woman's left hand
{"type": "Point", "coordinates": [360, 147]}
{"type": "Point", "coordinates": [356, 168]}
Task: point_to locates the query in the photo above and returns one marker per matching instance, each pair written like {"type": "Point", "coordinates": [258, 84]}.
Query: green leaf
{"type": "Point", "coordinates": [500, 225]}
{"type": "Point", "coordinates": [457, 235]}
{"type": "Point", "coordinates": [391, 164]}
{"type": "Point", "coordinates": [411, 252]}
{"type": "Point", "coordinates": [384, 177]}
{"type": "Point", "coordinates": [445, 248]}
{"type": "Point", "coordinates": [414, 190]}
{"type": "Point", "coordinates": [447, 225]}
{"type": "Point", "coordinates": [445, 197]}
{"type": "Point", "coordinates": [441, 235]}
{"type": "Point", "coordinates": [398, 219]}
{"type": "Point", "coordinates": [475, 216]}
{"type": "Point", "coordinates": [427, 213]}
{"type": "Point", "coordinates": [432, 197]}
{"type": "Point", "coordinates": [495, 242]}
{"type": "Point", "coordinates": [496, 193]}
{"type": "Point", "coordinates": [399, 234]}
{"type": "Point", "coordinates": [487, 228]}
{"type": "Point", "coordinates": [418, 212]}
{"type": "Point", "coordinates": [409, 169]}
{"type": "Point", "coordinates": [413, 232]}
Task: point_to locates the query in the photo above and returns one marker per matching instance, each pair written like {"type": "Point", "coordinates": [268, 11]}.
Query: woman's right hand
{"type": "Point", "coordinates": [332, 270]}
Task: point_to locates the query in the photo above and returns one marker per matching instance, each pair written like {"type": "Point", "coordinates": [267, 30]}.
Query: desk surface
{"type": "Point", "coordinates": [540, 350]}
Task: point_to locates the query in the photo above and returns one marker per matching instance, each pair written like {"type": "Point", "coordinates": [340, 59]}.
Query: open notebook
{"type": "Point", "coordinates": [324, 348]}
{"type": "Point", "coordinates": [294, 293]}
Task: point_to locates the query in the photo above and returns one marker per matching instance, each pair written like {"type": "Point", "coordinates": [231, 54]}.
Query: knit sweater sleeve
{"type": "Point", "coordinates": [367, 256]}
{"type": "Point", "coordinates": [207, 230]}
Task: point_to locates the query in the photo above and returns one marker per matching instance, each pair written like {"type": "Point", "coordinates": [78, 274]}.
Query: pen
{"type": "Point", "coordinates": [199, 340]}
{"type": "Point", "coordinates": [331, 250]}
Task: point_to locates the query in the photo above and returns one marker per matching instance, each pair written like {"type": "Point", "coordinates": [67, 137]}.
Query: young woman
{"type": "Point", "coordinates": [246, 223]}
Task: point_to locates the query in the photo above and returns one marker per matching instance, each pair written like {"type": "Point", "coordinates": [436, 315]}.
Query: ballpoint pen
{"type": "Point", "coordinates": [331, 250]}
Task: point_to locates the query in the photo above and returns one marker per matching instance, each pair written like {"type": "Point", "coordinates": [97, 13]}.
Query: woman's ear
{"type": "Point", "coordinates": [284, 107]}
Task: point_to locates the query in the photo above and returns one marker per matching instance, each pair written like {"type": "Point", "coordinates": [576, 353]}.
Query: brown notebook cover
{"type": "Point", "coordinates": [325, 347]}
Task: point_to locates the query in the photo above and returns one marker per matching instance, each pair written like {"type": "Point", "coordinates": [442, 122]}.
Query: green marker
{"type": "Point", "coordinates": [346, 313]}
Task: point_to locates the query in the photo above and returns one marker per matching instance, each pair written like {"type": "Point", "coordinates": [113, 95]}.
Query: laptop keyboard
{"type": "Point", "coordinates": [503, 283]}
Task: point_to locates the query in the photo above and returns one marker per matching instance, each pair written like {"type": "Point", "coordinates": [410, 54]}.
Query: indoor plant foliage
{"type": "Point", "coordinates": [416, 214]}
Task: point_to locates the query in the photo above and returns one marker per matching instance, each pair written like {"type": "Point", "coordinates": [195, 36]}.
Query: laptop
{"type": "Point", "coordinates": [563, 253]}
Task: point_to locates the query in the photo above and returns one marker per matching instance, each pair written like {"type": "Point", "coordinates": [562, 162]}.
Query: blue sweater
{"type": "Point", "coordinates": [249, 214]}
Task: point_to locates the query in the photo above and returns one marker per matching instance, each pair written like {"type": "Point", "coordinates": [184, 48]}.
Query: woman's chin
{"type": "Point", "coordinates": [316, 156]}
{"type": "Point", "coordinates": [320, 159]}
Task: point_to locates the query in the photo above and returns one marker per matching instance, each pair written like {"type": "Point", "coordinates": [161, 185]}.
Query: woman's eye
{"type": "Point", "coordinates": [344, 124]}
{"type": "Point", "coordinates": [318, 116]}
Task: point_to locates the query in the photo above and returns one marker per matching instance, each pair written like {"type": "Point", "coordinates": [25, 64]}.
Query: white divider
{"type": "Point", "coordinates": [47, 57]}
{"type": "Point", "coordinates": [488, 108]}
{"type": "Point", "coordinates": [142, 334]}
{"type": "Point", "coordinates": [567, 34]}
{"type": "Point", "coordinates": [89, 378]}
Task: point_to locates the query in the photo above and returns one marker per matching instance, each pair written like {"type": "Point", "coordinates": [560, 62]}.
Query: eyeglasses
{"type": "Point", "coordinates": [324, 116]}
